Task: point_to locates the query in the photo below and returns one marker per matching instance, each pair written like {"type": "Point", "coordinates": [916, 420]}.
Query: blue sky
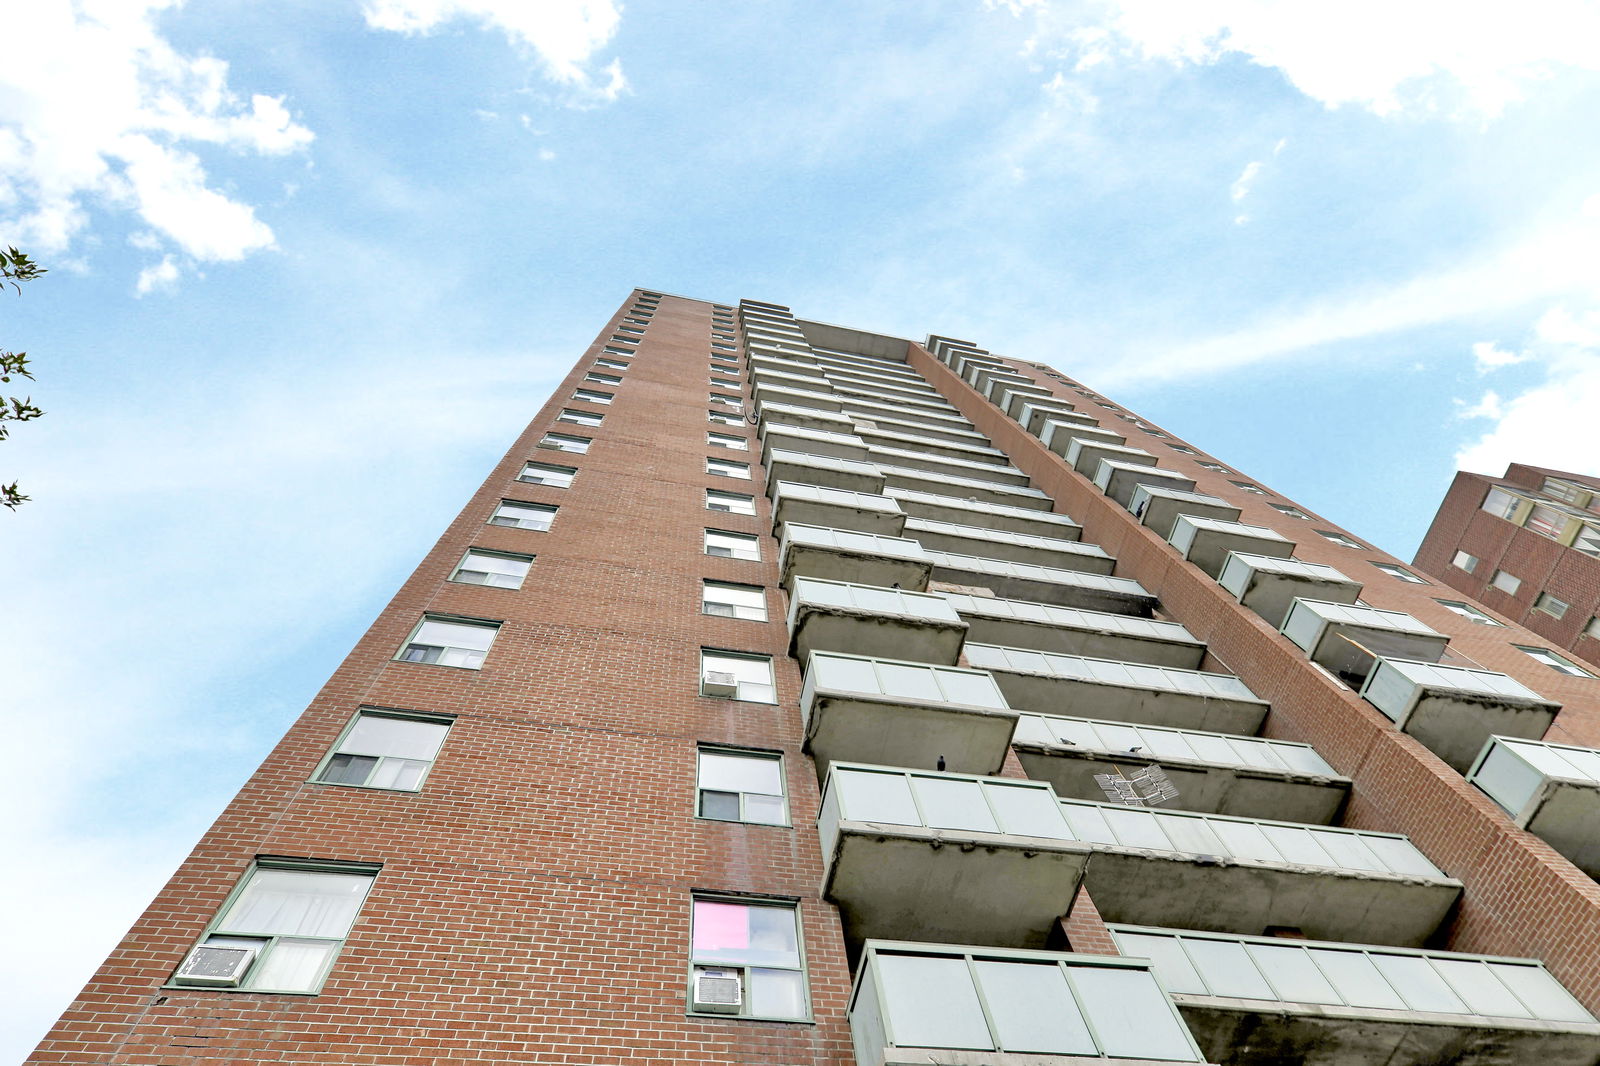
{"type": "Point", "coordinates": [313, 265]}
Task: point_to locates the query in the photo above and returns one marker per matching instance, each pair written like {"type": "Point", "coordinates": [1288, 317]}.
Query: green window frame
{"type": "Point", "coordinates": [745, 785]}
{"type": "Point", "coordinates": [425, 645]}
{"type": "Point", "coordinates": [492, 569]}
{"type": "Point", "coordinates": [363, 757]}
{"type": "Point", "coordinates": [766, 952]}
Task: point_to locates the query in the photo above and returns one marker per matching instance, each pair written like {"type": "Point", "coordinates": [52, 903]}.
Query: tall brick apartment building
{"type": "Point", "coordinates": [1528, 546]}
{"type": "Point", "coordinates": [794, 695]}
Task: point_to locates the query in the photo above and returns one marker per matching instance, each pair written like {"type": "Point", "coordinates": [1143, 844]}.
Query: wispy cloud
{"type": "Point", "coordinates": [1489, 356]}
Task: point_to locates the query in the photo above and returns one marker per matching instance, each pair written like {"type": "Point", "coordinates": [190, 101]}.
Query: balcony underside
{"type": "Point", "coordinates": [859, 632]}
{"type": "Point", "coordinates": [894, 732]}
{"type": "Point", "coordinates": [1095, 643]}
{"type": "Point", "coordinates": [1137, 705]}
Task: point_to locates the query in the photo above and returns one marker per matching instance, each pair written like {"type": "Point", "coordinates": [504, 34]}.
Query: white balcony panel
{"type": "Point", "coordinates": [765, 393]}
{"type": "Point", "coordinates": [890, 389]}
{"type": "Point", "coordinates": [1215, 773]}
{"type": "Point", "coordinates": [997, 387]}
{"type": "Point", "coordinates": [884, 623]}
{"type": "Point", "coordinates": [1551, 790]}
{"type": "Point", "coordinates": [1241, 875]}
{"type": "Point", "coordinates": [940, 464]}
{"type": "Point", "coordinates": [1085, 456]}
{"type": "Point", "coordinates": [1269, 585]}
{"type": "Point", "coordinates": [1013, 399]}
{"type": "Point", "coordinates": [897, 371]}
{"type": "Point", "coordinates": [1348, 638]}
{"type": "Point", "coordinates": [806, 417]}
{"type": "Point", "coordinates": [1003, 544]}
{"type": "Point", "coordinates": [777, 379]}
{"type": "Point", "coordinates": [860, 709]}
{"type": "Point", "coordinates": [1047, 584]}
{"type": "Point", "coordinates": [1259, 1001]}
{"type": "Point", "coordinates": [1206, 542]}
{"type": "Point", "coordinates": [946, 508]}
{"type": "Point", "coordinates": [915, 1004]}
{"type": "Point", "coordinates": [972, 489]}
{"type": "Point", "coordinates": [862, 407]}
{"type": "Point", "coordinates": [807, 469]}
{"type": "Point", "coordinates": [1159, 508]}
{"type": "Point", "coordinates": [858, 558]}
{"type": "Point", "coordinates": [1050, 682]}
{"type": "Point", "coordinates": [946, 857]}
{"type": "Point", "coordinates": [1070, 631]}
{"type": "Point", "coordinates": [1120, 480]}
{"type": "Point", "coordinates": [880, 437]}
{"type": "Point", "coordinates": [921, 432]}
{"type": "Point", "coordinates": [818, 505]}
{"type": "Point", "coordinates": [1454, 710]}
{"type": "Point", "coordinates": [1034, 415]}
{"type": "Point", "coordinates": [1058, 435]}
{"type": "Point", "coordinates": [894, 397]}
{"type": "Point", "coordinates": [811, 441]}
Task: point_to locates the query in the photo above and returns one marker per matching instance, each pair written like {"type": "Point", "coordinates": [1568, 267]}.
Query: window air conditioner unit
{"type": "Point", "coordinates": [719, 683]}
{"type": "Point", "coordinates": [216, 966]}
{"type": "Point", "coordinates": [718, 991]}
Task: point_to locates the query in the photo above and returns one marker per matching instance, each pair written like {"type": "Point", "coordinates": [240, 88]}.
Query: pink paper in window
{"type": "Point", "coordinates": [720, 926]}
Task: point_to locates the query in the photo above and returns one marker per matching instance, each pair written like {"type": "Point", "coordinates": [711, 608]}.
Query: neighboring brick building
{"type": "Point", "coordinates": [1528, 546]}
{"type": "Point", "coordinates": [771, 646]}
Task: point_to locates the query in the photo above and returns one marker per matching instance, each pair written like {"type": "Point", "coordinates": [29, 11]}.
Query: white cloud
{"type": "Point", "coordinates": [1551, 424]}
{"type": "Point", "coordinates": [564, 34]}
{"type": "Point", "coordinates": [1488, 407]}
{"type": "Point", "coordinates": [1420, 56]}
{"type": "Point", "coordinates": [95, 110]}
{"type": "Point", "coordinates": [162, 275]}
{"type": "Point", "coordinates": [1489, 356]}
{"type": "Point", "coordinates": [1241, 185]}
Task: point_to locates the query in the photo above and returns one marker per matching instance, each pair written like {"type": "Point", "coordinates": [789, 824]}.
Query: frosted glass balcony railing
{"type": "Point", "coordinates": [1239, 875]}
{"type": "Point", "coordinates": [809, 417]}
{"type": "Point", "coordinates": [1454, 710]}
{"type": "Point", "coordinates": [1126, 691]}
{"type": "Point", "coordinates": [874, 409]}
{"type": "Point", "coordinates": [922, 1003]}
{"type": "Point", "coordinates": [1019, 403]}
{"type": "Point", "coordinates": [948, 508]}
{"type": "Point", "coordinates": [766, 392]}
{"type": "Point", "coordinates": [1158, 508]}
{"type": "Point", "coordinates": [879, 436]}
{"type": "Point", "coordinates": [1047, 584]}
{"type": "Point", "coordinates": [895, 397]}
{"type": "Point", "coordinates": [946, 857]}
{"type": "Point", "coordinates": [1007, 545]}
{"type": "Point", "coordinates": [1058, 434]}
{"type": "Point", "coordinates": [1012, 398]}
{"type": "Point", "coordinates": [846, 555]}
{"type": "Point", "coordinates": [812, 442]}
{"type": "Point", "coordinates": [768, 377]}
{"type": "Point", "coordinates": [865, 620]}
{"type": "Point", "coordinates": [1263, 1001]}
{"type": "Point", "coordinates": [915, 459]}
{"type": "Point", "coordinates": [1071, 631]}
{"type": "Point", "coordinates": [1215, 773]}
{"type": "Point", "coordinates": [1120, 480]}
{"type": "Point", "coordinates": [974, 489]}
{"type": "Point", "coordinates": [819, 505]}
{"type": "Point", "coordinates": [1348, 638]}
{"type": "Point", "coordinates": [860, 709]}
{"type": "Point", "coordinates": [1084, 456]}
{"type": "Point", "coordinates": [1206, 542]}
{"type": "Point", "coordinates": [1269, 585]}
{"type": "Point", "coordinates": [1551, 790]}
{"type": "Point", "coordinates": [807, 469]}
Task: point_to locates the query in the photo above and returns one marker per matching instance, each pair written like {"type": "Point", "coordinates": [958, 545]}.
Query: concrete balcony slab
{"type": "Point", "coordinates": [1085, 589]}
{"type": "Point", "coordinates": [807, 469]}
{"type": "Point", "coordinates": [1158, 509]}
{"type": "Point", "coordinates": [1070, 631]}
{"type": "Point", "coordinates": [1206, 542]}
{"type": "Point", "coordinates": [1269, 585]}
{"type": "Point", "coordinates": [850, 556]}
{"type": "Point", "coordinates": [1001, 544]}
{"type": "Point", "coordinates": [1121, 480]}
{"type": "Point", "coordinates": [1551, 790]}
{"type": "Point", "coordinates": [818, 505]}
{"type": "Point", "coordinates": [1000, 517]}
{"type": "Point", "coordinates": [883, 623]}
{"type": "Point", "coordinates": [1084, 456]}
{"type": "Point", "coordinates": [1454, 710]}
{"type": "Point", "coordinates": [1347, 639]}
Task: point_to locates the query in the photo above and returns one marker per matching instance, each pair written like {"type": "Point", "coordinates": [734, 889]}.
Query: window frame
{"type": "Point", "coordinates": [586, 419]}
{"type": "Point", "coordinates": [448, 619]}
{"type": "Point", "coordinates": [748, 656]}
{"type": "Point", "coordinates": [755, 540]}
{"type": "Point", "coordinates": [707, 582]}
{"type": "Point", "coordinates": [1539, 605]}
{"type": "Point", "coordinates": [555, 442]}
{"type": "Point", "coordinates": [1469, 612]}
{"type": "Point", "coordinates": [521, 557]}
{"type": "Point", "coordinates": [1494, 583]}
{"type": "Point", "coordinates": [1343, 540]}
{"type": "Point", "coordinates": [727, 440]}
{"type": "Point", "coordinates": [719, 418]}
{"type": "Point", "coordinates": [429, 717]}
{"type": "Point", "coordinates": [735, 403]}
{"type": "Point", "coordinates": [788, 903]}
{"type": "Point", "coordinates": [765, 754]}
{"type": "Point", "coordinates": [742, 498]}
{"type": "Point", "coordinates": [1212, 465]}
{"type": "Point", "coordinates": [530, 505]}
{"type": "Point", "coordinates": [1249, 486]}
{"type": "Point", "coordinates": [1475, 560]}
{"type": "Point", "coordinates": [728, 468]}
{"type": "Point", "coordinates": [1290, 510]}
{"type": "Point", "coordinates": [1398, 572]}
{"type": "Point", "coordinates": [594, 396]}
{"type": "Point", "coordinates": [571, 473]}
{"type": "Point", "coordinates": [1562, 664]}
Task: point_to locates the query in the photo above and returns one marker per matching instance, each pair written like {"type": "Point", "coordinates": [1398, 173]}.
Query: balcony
{"type": "Point", "coordinates": [882, 412]}
{"type": "Point", "coordinates": [1000, 544]}
{"type": "Point", "coordinates": [776, 437]}
{"type": "Point", "coordinates": [956, 432]}
{"type": "Point", "coordinates": [1035, 413]}
{"type": "Point", "coordinates": [915, 1004]}
{"type": "Point", "coordinates": [1454, 710]}
{"type": "Point", "coordinates": [1045, 627]}
{"type": "Point", "coordinates": [1269, 585]}
{"type": "Point", "coordinates": [1346, 639]}
{"type": "Point", "coordinates": [780, 379]}
{"type": "Point", "coordinates": [883, 623]}
{"type": "Point", "coordinates": [804, 417]}
{"type": "Point", "coordinates": [899, 398]}
{"type": "Point", "coordinates": [994, 516]}
{"type": "Point", "coordinates": [807, 469]}
{"type": "Point", "coordinates": [1158, 509]}
{"type": "Point", "coordinates": [818, 505]}
{"type": "Point", "coordinates": [916, 459]}
{"type": "Point", "coordinates": [1085, 456]}
{"type": "Point", "coordinates": [974, 490]}
{"type": "Point", "coordinates": [945, 857]}
{"type": "Point", "coordinates": [1121, 480]}
{"type": "Point", "coordinates": [1012, 398]}
{"type": "Point", "coordinates": [859, 709]}
{"type": "Point", "coordinates": [978, 372]}
{"type": "Point", "coordinates": [1214, 773]}
{"type": "Point", "coordinates": [1551, 790]}
{"type": "Point", "coordinates": [858, 558]}
{"type": "Point", "coordinates": [1047, 584]}
{"type": "Point", "coordinates": [1003, 385]}
{"type": "Point", "coordinates": [1256, 1001]}
{"type": "Point", "coordinates": [765, 393]}
{"type": "Point", "coordinates": [801, 366]}
{"type": "Point", "coordinates": [1206, 542]}
{"type": "Point", "coordinates": [1047, 682]}
{"type": "Point", "coordinates": [1058, 434]}
{"type": "Point", "coordinates": [879, 437]}
{"type": "Point", "coordinates": [1240, 875]}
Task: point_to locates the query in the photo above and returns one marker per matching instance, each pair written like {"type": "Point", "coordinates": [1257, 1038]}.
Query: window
{"type": "Point", "coordinates": [1554, 661]}
{"type": "Point", "coordinates": [629, 329]}
{"type": "Point", "coordinates": [440, 640]}
{"type": "Point", "coordinates": [725, 383]}
{"type": "Point", "coordinates": [722, 347]}
{"type": "Point", "coordinates": [1207, 464]}
{"type": "Point", "coordinates": [610, 364]}
{"type": "Point", "coordinates": [723, 418]}
{"type": "Point", "coordinates": [383, 749]}
{"type": "Point", "coordinates": [638, 318]}
{"type": "Point", "coordinates": [622, 340]}
{"type": "Point", "coordinates": [732, 545]}
{"type": "Point", "coordinates": [1339, 539]}
{"type": "Point", "coordinates": [1505, 582]}
{"type": "Point", "coordinates": [728, 401]}
{"type": "Point", "coordinates": [1400, 572]}
{"type": "Point", "coordinates": [564, 442]}
{"type": "Point", "coordinates": [1292, 512]}
{"type": "Point", "coordinates": [594, 396]}
{"type": "Point", "coordinates": [1588, 540]}
{"type": "Point", "coordinates": [724, 440]}
{"type": "Point", "coordinates": [1547, 521]}
{"type": "Point", "coordinates": [1566, 490]}
{"type": "Point", "coordinates": [605, 379]}
{"type": "Point", "coordinates": [281, 929]}
{"type": "Point", "coordinates": [557, 477]}
{"type": "Point", "coordinates": [1463, 561]}
{"type": "Point", "coordinates": [1247, 487]}
{"type": "Point", "coordinates": [728, 468]}
{"type": "Point", "coordinates": [618, 351]}
{"type": "Point", "coordinates": [740, 786]}
{"type": "Point", "coordinates": [1501, 503]}
{"type": "Point", "coordinates": [724, 357]}
{"type": "Point", "coordinates": [579, 418]}
{"type": "Point", "coordinates": [733, 676]}
{"type": "Point", "coordinates": [730, 502]}
{"type": "Point", "coordinates": [1550, 605]}
{"type": "Point", "coordinates": [503, 570]}
{"type": "Point", "coordinates": [734, 601]}
{"type": "Point", "coordinates": [757, 945]}
{"type": "Point", "coordinates": [1184, 448]}
{"type": "Point", "coordinates": [1592, 630]}
{"type": "Point", "coordinates": [534, 516]}
{"type": "Point", "coordinates": [1466, 610]}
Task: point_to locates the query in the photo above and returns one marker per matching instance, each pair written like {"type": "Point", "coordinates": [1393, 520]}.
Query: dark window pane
{"type": "Point", "coordinates": [723, 805]}
{"type": "Point", "coordinates": [349, 769]}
